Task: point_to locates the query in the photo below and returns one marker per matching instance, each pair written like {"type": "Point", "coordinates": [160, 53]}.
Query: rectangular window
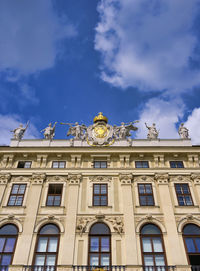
{"type": "Point", "coordinates": [54, 195]}
{"type": "Point", "coordinates": [58, 164]}
{"type": "Point", "coordinates": [141, 164]}
{"type": "Point", "coordinates": [100, 164]}
{"type": "Point", "coordinates": [24, 164]}
{"type": "Point", "coordinates": [17, 195]}
{"type": "Point", "coordinates": [176, 164]}
{"type": "Point", "coordinates": [183, 194]}
{"type": "Point", "coordinates": [145, 194]}
{"type": "Point", "coordinates": [100, 195]}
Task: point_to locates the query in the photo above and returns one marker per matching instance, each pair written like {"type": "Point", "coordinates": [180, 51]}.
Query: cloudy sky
{"type": "Point", "coordinates": [68, 60]}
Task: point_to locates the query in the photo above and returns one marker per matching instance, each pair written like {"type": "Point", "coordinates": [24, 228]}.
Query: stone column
{"type": "Point", "coordinates": [174, 253]}
{"type": "Point", "coordinates": [24, 241]}
{"type": "Point", "coordinates": [130, 252]}
{"type": "Point", "coordinates": [196, 181]}
{"type": "Point", "coordinates": [4, 179]}
{"type": "Point", "coordinates": [68, 240]}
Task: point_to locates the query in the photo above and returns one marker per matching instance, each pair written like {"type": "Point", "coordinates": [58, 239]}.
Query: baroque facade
{"type": "Point", "coordinates": [100, 200]}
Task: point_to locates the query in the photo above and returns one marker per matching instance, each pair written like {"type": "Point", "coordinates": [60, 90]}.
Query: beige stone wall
{"type": "Point", "coordinates": [76, 208]}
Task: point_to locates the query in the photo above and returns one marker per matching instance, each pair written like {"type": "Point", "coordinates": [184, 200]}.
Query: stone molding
{"type": "Point", "coordinates": [49, 219]}
{"type": "Point", "coordinates": [11, 219]}
{"type": "Point", "coordinates": [38, 178]}
{"type": "Point", "coordinates": [74, 179]}
{"type": "Point", "coordinates": [143, 178]}
{"type": "Point", "coordinates": [187, 219]}
{"type": "Point", "coordinates": [150, 218]}
{"type": "Point", "coordinates": [56, 179]}
{"type": "Point", "coordinates": [125, 178]}
{"type": "Point", "coordinates": [196, 178]}
{"type": "Point", "coordinates": [100, 178]}
{"type": "Point", "coordinates": [21, 179]}
{"type": "Point", "coordinates": [162, 178]}
{"type": "Point", "coordinates": [180, 178]}
{"type": "Point", "coordinates": [5, 178]}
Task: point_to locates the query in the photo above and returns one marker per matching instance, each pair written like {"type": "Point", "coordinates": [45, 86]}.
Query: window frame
{"type": "Point", "coordinates": [24, 164]}
{"type": "Point", "coordinates": [183, 195]}
{"type": "Point", "coordinates": [146, 194]}
{"type": "Point", "coordinates": [58, 164]}
{"type": "Point", "coordinates": [11, 194]}
{"type": "Point", "coordinates": [100, 161]}
{"type": "Point", "coordinates": [54, 195]}
{"type": "Point", "coordinates": [175, 163]}
{"type": "Point", "coordinates": [100, 195]}
{"type": "Point", "coordinates": [142, 161]}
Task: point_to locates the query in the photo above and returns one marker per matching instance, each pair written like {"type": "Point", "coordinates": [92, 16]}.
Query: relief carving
{"type": "Point", "coordinates": [5, 178]}
{"type": "Point", "coordinates": [196, 178]}
{"type": "Point", "coordinates": [56, 178]}
{"type": "Point", "coordinates": [143, 178]}
{"type": "Point", "coordinates": [125, 178]}
{"type": "Point", "coordinates": [100, 178]}
{"type": "Point", "coordinates": [117, 223]}
{"type": "Point", "coordinates": [180, 178]}
{"type": "Point", "coordinates": [74, 178]}
{"type": "Point", "coordinates": [21, 179]}
{"type": "Point", "coordinates": [38, 178]}
{"type": "Point", "coordinates": [162, 178]}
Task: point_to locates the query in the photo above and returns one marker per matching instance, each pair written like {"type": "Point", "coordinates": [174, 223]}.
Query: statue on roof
{"type": "Point", "coordinates": [183, 132]}
{"type": "Point", "coordinates": [49, 131]}
{"type": "Point", "coordinates": [153, 132]}
{"type": "Point", "coordinates": [18, 133]}
{"type": "Point", "coordinates": [76, 130]}
{"type": "Point", "coordinates": [123, 132]}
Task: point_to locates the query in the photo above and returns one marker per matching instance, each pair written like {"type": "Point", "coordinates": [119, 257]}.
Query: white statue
{"type": "Point", "coordinates": [49, 131]}
{"type": "Point", "coordinates": [153, 132]}
{"type": "Point", "coordinates": [76, 130]}
{"type": "Point", "coordinates": [183, 132]}
{"type": "Point", "coordinates": [19, 132]}
{"type": "Point", "coordinates": [123, 131]}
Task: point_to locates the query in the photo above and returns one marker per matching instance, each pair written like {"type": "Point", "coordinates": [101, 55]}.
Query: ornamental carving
{"type": "Point", "coordinates": [4, 178]}
{"type": "Point", "coordinates": [74, 178]}
{"type": "Point", "coordinates": [100, 179]}
{"type": "Point", "coordinates": [56, 178]}
{"type": "Point", "coordinates": [196, 178]}
{"type": "Point", "coordinates": [117, 223]}
{"type": "Point", "coordinates": [38, 178]}
{"type": "Point", "coordinates": [162, 178]}
{"type": "Point", "coordinates": [180, 178]}
{"type": "Point", "coordinates": [149, 218]}
{"type": "Point", "coordinates": [21, 179]}
{"type": "Point", "coordinates": [181, 221]}
{"type": "Point", "coordinates": [125, 178]}
{"type": "Point", "coordinates": [143, 179]}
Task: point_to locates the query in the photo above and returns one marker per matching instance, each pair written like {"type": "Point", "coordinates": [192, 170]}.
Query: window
{"type": "Point", "coordinates": [24, 164]}
{"type": "Point", "coordinates": [191, 237]}
{"type": "Point", "coordinates": [152, 246]}
{"type": "Point", "coordinates": [99, 245]}
{"type": "Point", "coordinates": [183, 194]}
{"type": "Point", "coordinates": [176, 164]}
{"type": "Point", "coordinates": [54, 195]}
{"type": "Point", "coordinates": [8, 238]}
{"type": "Point", "coordinates": [46, 250]}
{"type": "Point", "coordinates": [58, 164]}
{"type": "Point", "coordinates": [17, 195]}
{"type": "Point", "coordinates": [141, 164]}
{"type": "Point", "coordinates": [100, 194]}
{"type": "Point", "coordinates": [100, 164]}
{"type": "Point", "coordinates": [145, 194]}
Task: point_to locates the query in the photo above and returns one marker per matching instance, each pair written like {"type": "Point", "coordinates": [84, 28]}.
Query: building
{"type": "Point", "coordinates": [99, 199]}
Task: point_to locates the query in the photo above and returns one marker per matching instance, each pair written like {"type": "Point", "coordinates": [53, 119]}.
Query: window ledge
{"type": "Point", "coordinates": [13, 206]}
{"type": "Point", "coordinates": [91, 206]}
{"type": "Point", "coordinates": [191, 206]}
{"type": "Point", "coordinates": [147, 206]}
{"type": "Point", "coordinates": [47, 206]}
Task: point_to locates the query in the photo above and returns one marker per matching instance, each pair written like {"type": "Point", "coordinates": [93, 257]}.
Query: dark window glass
{"type": "Point", "coordinates": [99, 245]}
{"type": "Point", "coordinates": [46, 251]}
{"type": "Point", "coordinates": [24, 164]}
{"type": "Point", "coordinates": [58, 164]}
{"type": "Point", "coordinates": [100, 164]}
{"type": "Point", "coordinates": [17, 195]}
{"type": "Point", "coordinates": [183, 195]}
{"type": "Point", "coordinates": [145, 194]}
{"type": "Point", "coordinates": [141, 164]}
{"type": "Point", "coordinates": [8, 237]}
{"type": "Point", "coordinates": [176, 164]}
{"type": "Point", "coordinates": [100, 195]}
{"type": "Point", "coordinates": [54, 195]}
{"type": "Point", "coordinates": [152, 246]}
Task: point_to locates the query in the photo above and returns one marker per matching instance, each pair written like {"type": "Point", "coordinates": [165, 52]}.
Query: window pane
{"type": "Point", "coordinates": [185, 189]}
{"type": "Point", "coordinates": [148, 189]}
{"type": "Point", "coordinates": [96, 200]}
{"type": "Point", "coordinates": [188, 200]}
{"type": "Point", "coordinates": [8, 230]}
{"type": "Point", "coordinates": [146, 245]}
{"type": "Point", "coordinates": [10, 243]}
{"type": "Point", "coordinates": [15, 188]}
{"type": "Point", "coordinates": [99, 228]}
{"type": "Point", "coordinates": [143, 200]}
{"type": "Point", "coordinates": [19, 201]}
{"type": "Point", "coordinates": [49, 229]}
{"type": "Point", "coordinates": [104, 164]}
{"type": "Point", "coordinates": [105, 244]}
{"type": "Point", "coordinates": [181, 200]}
{"type": "Point", "coordinates": [51, 260]}
{"type": "Point", "coordinates": [105, 259]}
{"type": "Point", "coordinates": [191, 229]}
{"type": "Point", "coordinates": [96, 164]}
{"type": "Point", "coordinates": [159, 259]}
{"type": "Point", "coordinates": [157, 245]}
{"type": "Point", "coordinates": [2, 241]}
{"type": "Point", "coordinates": [148, 260]}
{"type": "Point", "coordinates": [197, 240]}
{"type": "Point", "coordinates": [150, 200]}
{"type": "Point", "coordinates": [103, 201]}
{"type": "Point", "coordinates": [6, 260]}
{"type": "Point", "coordinates": [42, 244]}
{"type": "Point", "coordinates": [94, 259]}
{"type": "Point", "coordinates": [50, 200]}
{"type": "Point", "coordinates": [141, 189]}
{"type": "Point", "coordinates": [22, 189]}
{"type": "Point", "coordinates": [62, 165]}
{"type": "Point", "coordinates": [55, 164]}
{"type": "Point", "coordinates": [190, 245]}
{"type": "Point", "coordinates": [150, 229]}
{"type": "Point", "coordinates": [12, 200]}
{"type": "Point", "coordinates": [52, 246]}
{"type": "Point", "coordinates": [103, 189]}
{"type": "Point", "coordinates": [94, 244]}
{"type": "Point", "coordinates": [39, 260]}
{"type": "Point", "coordinates": [27, 165]}
{"type": "Point", "coordinates": [96, 189]}
{"type": "Point", "coordinates": [57, 200]}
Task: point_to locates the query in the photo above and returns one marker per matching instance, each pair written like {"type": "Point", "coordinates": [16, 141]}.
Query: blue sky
{"type": "Point", "coordinates": [68, 60]}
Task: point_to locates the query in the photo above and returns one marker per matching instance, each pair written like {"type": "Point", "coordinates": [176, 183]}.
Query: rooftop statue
{"type": "Point", "coordinates": [77, 130]}
{"type": "Point", "coordinates": [183, 132]}
{"type": "Point", "coordinates": [18, 133]}
{"type": "Point", "coordinates": [153, 132]}
{"type": "Point", "coordinates": [123, 131]}
{"type": "Point", "coordinates": [49, 131]}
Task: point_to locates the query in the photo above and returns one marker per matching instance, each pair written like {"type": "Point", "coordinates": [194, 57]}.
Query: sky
{"type": "Point", "coordinates": [66, 61]}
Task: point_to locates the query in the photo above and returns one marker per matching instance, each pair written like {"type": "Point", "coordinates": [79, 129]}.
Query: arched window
{"type": "Point", "coordinates": [8, 238]}
{"type": "Point", "coordinates": [153, 252]}
{"type": "Point", "coordinates": [46, 250]}
{"type": "Point", "coordinates": [99, 245]}
{"type": "Point", "coordinates": [191, 236]}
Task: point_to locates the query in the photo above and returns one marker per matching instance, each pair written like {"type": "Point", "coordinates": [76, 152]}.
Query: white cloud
{"type": "Point", "coordinates": [30, 32]}
{"type": "Point", "coordinates": [166, 114]}
{"type": "Point", "coordinates": [10, 122]}
{"type": "Point", "coordinates": [193, 124]}
{"type": "Point", "coordinates": [148, 44]}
